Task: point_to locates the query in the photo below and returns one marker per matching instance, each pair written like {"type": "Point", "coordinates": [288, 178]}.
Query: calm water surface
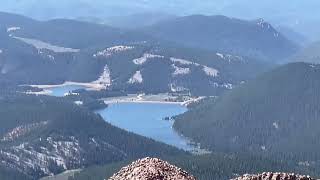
{"type": "Point", "coordinates": [147, 119]}
{"type": "Point", "coordinates": [61, 91]}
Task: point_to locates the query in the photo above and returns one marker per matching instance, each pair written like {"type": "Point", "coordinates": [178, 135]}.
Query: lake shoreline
{"type": "Point", "coordinates": [88, 86]}
{"type": "Point", "coordinates": [143, 102]}
{"type": "Point", "coordinates": [139, 112]}
{"type": "Point", "coordinates": [164, 98]}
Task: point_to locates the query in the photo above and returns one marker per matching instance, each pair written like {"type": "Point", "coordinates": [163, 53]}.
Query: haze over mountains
{"type": "Point", "coordinates": [309, 54]}
{"type": "Point", "coordinates": [64, 46]}
{"type": "Point", "coordinates": [293, 14]}
{"type": "Point", "coordinates": [248, 79]}
{"type": "Point", "coordinates": [228, 34]}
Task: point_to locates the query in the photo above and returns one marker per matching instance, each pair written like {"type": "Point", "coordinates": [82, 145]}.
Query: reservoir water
{"type": "Point", "coordinates": [62, 90]}
{"type": "Point", "coordinates": [147, 119]}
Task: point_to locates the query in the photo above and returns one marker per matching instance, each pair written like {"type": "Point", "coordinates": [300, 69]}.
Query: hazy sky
{"type": "Point", "coordinates": [298, 14]}
{"type": "Point", "coordinates": [239, 8]}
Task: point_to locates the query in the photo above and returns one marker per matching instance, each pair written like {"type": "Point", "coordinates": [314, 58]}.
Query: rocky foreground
{"type": "Point", "coordinates": [151, 169]}
{"type": "Point", "coordinates": [274, 176]}
{"type": "Point", "coordinates": [156, 169]}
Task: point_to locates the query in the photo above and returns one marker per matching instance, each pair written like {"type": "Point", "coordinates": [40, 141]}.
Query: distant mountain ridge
{"type": "Point", "coordinates": [292, 13]}
{"type": "Point", "coordinates": [245, 38]}
{"type": "Point", "coordinates": [140, 20]}
{"type": "Point", "coordinates": [66, 50]}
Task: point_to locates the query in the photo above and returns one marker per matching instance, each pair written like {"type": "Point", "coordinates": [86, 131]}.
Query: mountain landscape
{"type": "Point", "coordinates": [301, 17]}
{"type": "Point", "coordinates": [206, 90]}
{"type": "Point", "coordinates": [262, 116]}
{"type": "Point", "coordinates": [43, 139]}
{"type": "Point", "coordinates": [84, 58]}
{"type": "Point", "coordinates": [245, 40]}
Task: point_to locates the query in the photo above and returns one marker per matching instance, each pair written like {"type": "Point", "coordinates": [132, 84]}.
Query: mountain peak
{"type": "Point", "coordinates": [151, 168]}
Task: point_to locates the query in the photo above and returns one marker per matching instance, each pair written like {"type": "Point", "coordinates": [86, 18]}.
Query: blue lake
{"type": "Point", "coordinates": [147, 119]}
{"type": "Point", "coordinates": [61, 91]}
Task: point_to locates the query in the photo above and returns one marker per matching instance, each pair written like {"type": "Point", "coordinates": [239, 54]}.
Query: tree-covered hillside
{"type": "Point", "coordinates": [42, 135]}
{"type": "Point", "coordinates": [35, 52]}
{"type": "Point", "coordinates": [277, 113]}
{"type": "Point", "coordinates": [245, 38]}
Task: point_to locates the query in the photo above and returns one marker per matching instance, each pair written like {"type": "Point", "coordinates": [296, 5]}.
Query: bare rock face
{"type": "Point", "coordinates": [274, 176]}
{"type": "Point", "coordinates": [151, 169]}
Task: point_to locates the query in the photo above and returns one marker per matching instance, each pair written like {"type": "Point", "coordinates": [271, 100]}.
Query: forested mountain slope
{"type": "Point", "coordinates": [35, 52]}
{"type": "Point", "coordinates": [247, 38]}
{"type": "Point", "coordinates": [68, 33]}
{"type": "Point", "coordinates": [273, 114]}
{"type": "Point", "coordinates": [42, 135]}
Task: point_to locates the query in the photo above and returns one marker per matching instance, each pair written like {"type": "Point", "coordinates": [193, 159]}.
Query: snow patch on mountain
{"type": "Point", "coordinates": [46, 55]}
{"type": "Point", "coordinates": [224, 85]}
{"type": "Point", "coordinates": [183, 61]}
{"type": "Point", "coordinates": [112, 50]}
{"type": "Point", "coordinates": [180, 70]}
{"type": "Point", "coordinates": [43, 45]}
{"type": "Point", "coordinates": [145, 58]}
{"type": "Point", "coordinates": [229, 57]}
{"type": "Point", "coordinates": [175, 88]}
{"type": "Point", "coordinates": [136, 78]}
{"type": "Point", "coordinates": [313, 65]}
{"type": "Point", "coordinates": [12, 29]}
{"type": "Point", "coordinates": [220, 55]}
{"type": "Point", "coordinates": [79, 103]}
{"type": "Point", "coordinates": [263, 24]}
{"type": "Point", "coordinates": [210, 71]}
{"type": "Point", "coordinates": [228, 86]}
{"type": "Point", "coordinates": [105, 77]}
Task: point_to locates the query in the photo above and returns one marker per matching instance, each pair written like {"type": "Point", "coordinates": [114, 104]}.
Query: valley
{"type": "Point", "coordinates": [215, 95]}
{"type": "Point", "coordinates": [148, 120]}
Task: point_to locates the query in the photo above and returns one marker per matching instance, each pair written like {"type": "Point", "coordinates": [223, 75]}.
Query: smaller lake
{"type": "Point", "coordinates": [62, 90]}
{"type": "Point", "coordinates": [147, 119]}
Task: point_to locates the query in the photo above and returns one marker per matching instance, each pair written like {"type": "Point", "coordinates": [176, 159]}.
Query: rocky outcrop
{"type": "Point", "coordinates": [151, 169]}
{"type": "Point", "coordinates": [274, 176]}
